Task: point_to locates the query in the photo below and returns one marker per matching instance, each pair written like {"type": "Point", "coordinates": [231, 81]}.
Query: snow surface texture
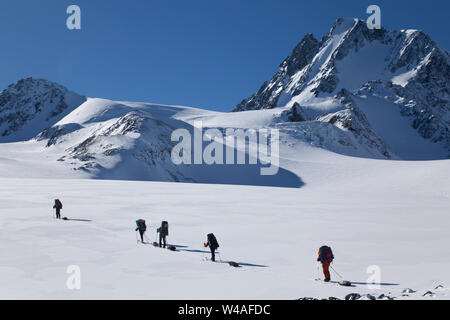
{"type": "Point", "coordinates": [396, 219]}
{"type": "Point", "coordinates": [335, 185]}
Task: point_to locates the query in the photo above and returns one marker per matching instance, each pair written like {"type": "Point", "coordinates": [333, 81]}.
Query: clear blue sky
{"type": "Point", "coordinates": [202, 53]}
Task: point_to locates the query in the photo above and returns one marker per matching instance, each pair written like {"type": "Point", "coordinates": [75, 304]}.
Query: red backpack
{"type": "Point", "coordinates": [58, 204]}
{"type": "Point", "coordinates": [326, 254]}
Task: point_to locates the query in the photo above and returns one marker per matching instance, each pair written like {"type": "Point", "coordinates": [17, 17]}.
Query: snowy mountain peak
{"type": "Point", "coordinates": [31, 105]}
{"type": "Point", "coordinates": [404, 69]}
{"type": "Point", "coordinates": [301, 55]}
{"type": "Point", "coordinates": [342, 25]}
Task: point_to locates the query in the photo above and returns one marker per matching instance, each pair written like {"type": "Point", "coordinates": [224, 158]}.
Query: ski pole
{"type": "Point", "coordinates": [336, 272]}
{"type": "Point", "coordinates": [137, 239]}
{"type": "Point", "coordinates": [318, 271]}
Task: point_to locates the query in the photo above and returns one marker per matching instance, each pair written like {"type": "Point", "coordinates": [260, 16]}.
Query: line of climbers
{"type": "Point", "coordinates": [163, 231]}
{"type": "Point", "coordinates": [325, 256]}
{"type": "Point", "coordinates": [141, 226]}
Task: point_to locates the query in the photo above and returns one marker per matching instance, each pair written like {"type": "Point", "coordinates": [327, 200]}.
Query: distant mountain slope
{"type": "Point", "coordinates": [405, 71]}
{"type": "Point", "coordinates": [358, 92]}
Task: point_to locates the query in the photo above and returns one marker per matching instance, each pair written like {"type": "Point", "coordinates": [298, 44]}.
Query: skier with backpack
{"type": "Point", "coordinates": [213, 245]}
{"type": "Point", "coordinates": [326, 257]}
{"type": "Point", "coordinates": [142, 227]}
{"type": "Point", "coordinates": [58, 206]}
{"type": "Point", "coordinates": [163, 233]}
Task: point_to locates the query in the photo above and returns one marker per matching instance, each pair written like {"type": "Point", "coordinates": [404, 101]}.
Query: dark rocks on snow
{"type": "Point", "coordinates": [294, 114]}
{"type": "Point", "coordinates": [428, 293]}
{"type": "Point", "coordinates": [384, 297]}
{"type": "Point", "coordinates": [353, 296]}
{"type": "Point", "coordinates": [315, 299]}
{"type": "Point", "coordinates": [408, 291]}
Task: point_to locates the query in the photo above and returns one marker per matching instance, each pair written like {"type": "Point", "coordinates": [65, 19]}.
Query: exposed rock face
{"type": "Point", "coordinates": [53, 134]}
{"type": "Point", "coordinates": [37, 100]}
{"type": "Point", "coordinates": [354, 120]}
{"type": "Point", "coordinates": [268, 95]}
{"type": "Point", "coordinates": [135, 136]}
{"type": "Point", "coordinates": [294, 114]}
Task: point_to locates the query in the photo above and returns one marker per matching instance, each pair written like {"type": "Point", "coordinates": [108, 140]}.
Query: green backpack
{"type": "Point", "coordinates": [164, 230]}
{"type": "Point", "coordinates": [141, 224]}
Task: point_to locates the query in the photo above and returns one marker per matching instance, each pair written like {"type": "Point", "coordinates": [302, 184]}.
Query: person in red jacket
{"type": "Point", "coordinates": [326, 257]}
{"type": "Point", "coordinates": [58, 206]}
